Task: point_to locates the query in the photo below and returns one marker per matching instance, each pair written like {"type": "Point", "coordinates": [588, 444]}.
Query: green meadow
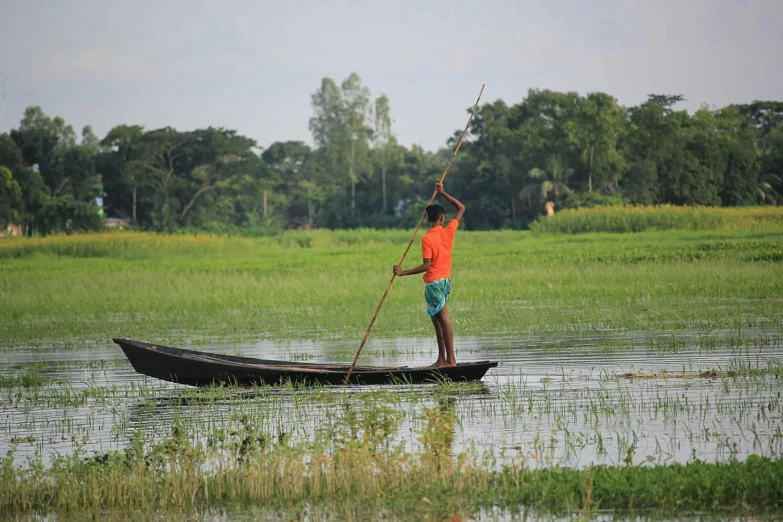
{"type": "Point", "coordinates": [76, 289]}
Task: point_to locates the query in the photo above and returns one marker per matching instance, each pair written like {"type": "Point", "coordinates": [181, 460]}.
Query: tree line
{"type": "Point", "coordinates": [567, 149]}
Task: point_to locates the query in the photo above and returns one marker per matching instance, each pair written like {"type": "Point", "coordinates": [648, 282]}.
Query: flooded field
{"type": "Point", "coordinates": [558, 427]}
{"type": "Point", "coordinates": [563, 401]}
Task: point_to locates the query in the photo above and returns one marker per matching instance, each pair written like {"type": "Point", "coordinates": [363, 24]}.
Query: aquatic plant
{"type": "Point", "coordinates": [180, 473]}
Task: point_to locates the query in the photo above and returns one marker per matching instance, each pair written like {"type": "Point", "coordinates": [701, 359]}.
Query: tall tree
{"type": "Point", "coordinates": [506, 143]}
{"type": "Point", "coordinates": [665, 101]}
{"type": "Point", "coordinates": [766, 118]}
{"type": "Point", "coordinates": [357, 110]}
{"type": "Point", "coordinates": [328, 125]}
{"type": "Point", "coordinates": [11, 202]}
{"type": "Point", "coordinates": [340, 129]}
{"type": "Point", "coordinates": [770, 189]}
{"type": "Point", "coordinates": [215, 155]}
{"type": "Point", "coordinates": [125, 162]}
{"type": "Point", "coordinates": [650, 142]}
{"type": "Point", "coordinates": [43, 141]}
{"type": "Point", "coordinates": [385, 142]}
{"type": "Point", "coordinates": [495, 156]}
{"type": "Point", "coordinates": [596, 129]}
{"type": "Point", "coordinates": [738, 157]}
{"type": "Point", "coordinates": [163, 149]}
{"type": "Point", "coordinates": [34, 190]}
{"type": "Point", "coordinates": [296, 173]}
{"type": "Point", "coordinates": [78, 174]}
{"type": "Point", "coordinates": [552, 180]}
{"type": "Point", "coordinates": [89, 139]}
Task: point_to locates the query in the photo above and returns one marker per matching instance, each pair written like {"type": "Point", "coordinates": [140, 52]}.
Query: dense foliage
{"type": "Point", "coordinates": [565, 148]}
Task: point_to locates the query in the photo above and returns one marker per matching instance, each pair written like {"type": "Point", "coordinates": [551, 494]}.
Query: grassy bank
{"type": "Point", "coordinates": [665, 217]}
{"type": "Point", "coordinates": [355, 469]}
{"type": "Point", "coordinates": [73, 289]}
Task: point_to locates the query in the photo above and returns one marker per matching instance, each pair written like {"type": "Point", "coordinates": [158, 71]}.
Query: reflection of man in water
{"type": "Point", "coordinates": [448, 412]}
{"type": "Point", "coordinates": [438, 435]}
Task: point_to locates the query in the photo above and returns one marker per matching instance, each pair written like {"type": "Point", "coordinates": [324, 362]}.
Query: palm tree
{"type": "Point", "coordinates": [766, 189]}
{"type": "Point", "coordinates": [553, 180]}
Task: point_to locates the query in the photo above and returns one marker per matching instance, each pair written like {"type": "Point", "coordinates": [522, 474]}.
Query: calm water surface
{"type": "Point", "coordinates": [550, 401]}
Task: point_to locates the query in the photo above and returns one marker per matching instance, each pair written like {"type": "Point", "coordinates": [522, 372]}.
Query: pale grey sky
{"type": "Point", "coordinates": [252, 65]}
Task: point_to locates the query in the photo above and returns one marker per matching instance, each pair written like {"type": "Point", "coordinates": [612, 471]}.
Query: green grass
{"type": "Point", "coordinates": [23, 379]}
{"type": "Point", "coordinates": [77, 289]}
{"type": "Point", "coordinates": [357, 469]}
{"type": "Point", "coordinates": [622, 219]}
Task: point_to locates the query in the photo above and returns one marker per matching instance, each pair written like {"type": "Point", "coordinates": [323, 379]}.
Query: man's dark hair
{"type": "Point", "coordinates": [434, 212]}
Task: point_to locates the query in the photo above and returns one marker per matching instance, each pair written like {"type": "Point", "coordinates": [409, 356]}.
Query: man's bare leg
{"type": "Point", "coordinates": [441, 342]}
{"type": "Point", "coordinates": [448, 336]}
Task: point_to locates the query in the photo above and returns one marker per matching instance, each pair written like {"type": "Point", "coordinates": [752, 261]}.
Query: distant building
{"type": "Point", "coordinates": [118, 223]}
{"type": "Point", "coordinates": [11, 231]}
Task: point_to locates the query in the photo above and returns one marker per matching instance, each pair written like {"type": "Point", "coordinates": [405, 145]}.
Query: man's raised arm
{"type": "Point", "coordinates": [451, 199]}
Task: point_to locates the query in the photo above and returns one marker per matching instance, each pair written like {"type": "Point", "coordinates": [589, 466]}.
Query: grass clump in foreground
{"type": "Point", "coordinates": [356, 468]}
{"type": "Point", "coordinates": [26, 379]}
{"type": "Point", "coordinates": [664, 217]}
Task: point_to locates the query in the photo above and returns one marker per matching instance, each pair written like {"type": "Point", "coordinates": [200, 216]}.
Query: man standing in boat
{"type": "Point", "coordinates": [436, 247]}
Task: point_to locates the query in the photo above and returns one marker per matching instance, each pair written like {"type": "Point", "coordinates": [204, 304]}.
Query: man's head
{"type": "Point", "coordinates": [435, 214]}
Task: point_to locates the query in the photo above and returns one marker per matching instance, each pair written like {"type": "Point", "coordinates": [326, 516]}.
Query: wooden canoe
{"type": "Point", "coordinates": [202, 369]}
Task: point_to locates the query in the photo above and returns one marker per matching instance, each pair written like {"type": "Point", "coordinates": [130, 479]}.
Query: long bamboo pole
{"type": "Point", "coordinates": [413, 238]}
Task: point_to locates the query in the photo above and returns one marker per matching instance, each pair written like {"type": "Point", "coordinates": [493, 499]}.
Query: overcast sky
{"type": "Point", "coordinates": [253, 65]}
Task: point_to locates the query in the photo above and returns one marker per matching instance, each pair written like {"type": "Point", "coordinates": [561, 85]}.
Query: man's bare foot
{"type": "Point", "coordinates": [442, 364]}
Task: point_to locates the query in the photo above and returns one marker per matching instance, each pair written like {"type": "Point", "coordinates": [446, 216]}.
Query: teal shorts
{"type": "Point", "coordinates": [435, 295]}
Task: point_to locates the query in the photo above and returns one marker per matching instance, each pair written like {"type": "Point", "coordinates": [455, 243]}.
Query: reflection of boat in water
{"type": "Point", "coordinates": [201, 368]}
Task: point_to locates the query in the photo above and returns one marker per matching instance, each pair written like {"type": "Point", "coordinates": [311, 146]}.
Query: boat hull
{"type": "Point", "coordinates": [204, 369]}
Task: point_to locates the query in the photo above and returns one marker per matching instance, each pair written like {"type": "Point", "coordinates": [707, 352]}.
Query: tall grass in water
{"type": "Point", "coordinates": [665, 217]}
{"type": "Point", "coordinates": [27, 379]}
{"type": "Point", "coordinates": [356, 469]}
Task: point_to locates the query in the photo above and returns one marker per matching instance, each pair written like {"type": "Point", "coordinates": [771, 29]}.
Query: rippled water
{"type": "Point", "coordinates": [550, 401]}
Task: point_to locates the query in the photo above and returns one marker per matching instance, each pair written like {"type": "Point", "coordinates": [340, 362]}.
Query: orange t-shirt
{"type": "Point", "coordinates": [436, 246]}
